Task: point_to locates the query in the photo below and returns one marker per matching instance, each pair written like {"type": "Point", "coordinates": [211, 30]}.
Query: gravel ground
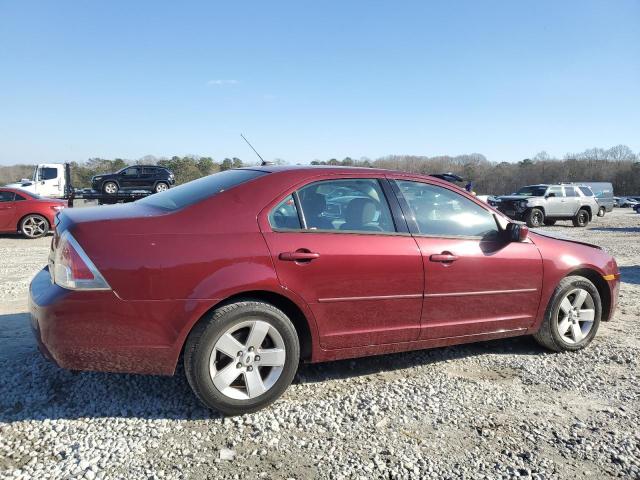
{"type": "Point", "coordinates": [498, 409]}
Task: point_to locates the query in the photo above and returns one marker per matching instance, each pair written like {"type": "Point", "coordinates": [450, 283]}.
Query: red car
{"type": "Point", "coordinates": [26, 212]}
{"type": "Point", "coordinates": [248, 271]}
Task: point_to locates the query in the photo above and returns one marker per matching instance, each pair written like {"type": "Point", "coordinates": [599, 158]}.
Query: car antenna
{"type": "Point", "coordinates": [262, 160]}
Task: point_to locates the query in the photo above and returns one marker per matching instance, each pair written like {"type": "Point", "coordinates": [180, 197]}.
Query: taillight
{"type": "Point", "coordinates": [71, 267]}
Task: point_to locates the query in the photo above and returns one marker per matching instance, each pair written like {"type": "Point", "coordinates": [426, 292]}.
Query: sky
{"type": "Point", "coordinates": [316, 80]}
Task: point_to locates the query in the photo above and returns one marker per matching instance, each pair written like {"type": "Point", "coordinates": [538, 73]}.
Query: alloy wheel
{"type": "Point", "coordinates": [247, 359]}
{"type": "Point", "coordinates": [576, 315]}
{"type": "Point", "coordinates": [161, 187]}
{"type": "Point", "coordinates": [34, 226]}
{"type": "Point", "coordinates": [111, 188]}
{"type": "Point", "coordinates": [536, 218]}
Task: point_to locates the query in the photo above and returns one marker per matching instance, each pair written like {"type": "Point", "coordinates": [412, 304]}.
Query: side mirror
{"type": "Point", "coordinates": [517, 232]}
{"type": "Point", "coordinates": [549, 195]}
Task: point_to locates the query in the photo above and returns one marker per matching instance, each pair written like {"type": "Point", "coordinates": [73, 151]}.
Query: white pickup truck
{"type": "Point", "coordinates": [48, 180]}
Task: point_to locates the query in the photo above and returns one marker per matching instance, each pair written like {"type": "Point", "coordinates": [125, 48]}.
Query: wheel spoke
{"type": "Point", "coordinates": [565, 305]}
{"type": "Point", "coordinates": [272, 357]}
{"type": "Point", "coordinates": [258, 333]}
{"type": "Point", "coordinates": [581, 296]}
{"type": "Point", "coordinates": [226, 376]}
{"type": "Point", "coordinates": [229, 345]}
{"type": "Point", "coordinates": [254, 383]}
{"type": "Point", "coordinates": [576, 332]}
{"type": "Point", "coordinates": [563, 326]}
{"type": "Point", "coordinates": [587, 315]}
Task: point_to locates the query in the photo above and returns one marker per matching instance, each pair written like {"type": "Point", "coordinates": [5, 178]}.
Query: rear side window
{"type": "Point", "coordinates": [441, 212]}
{"type": "Point", "coordinates": [586, 191]}
{"type": "Point", "coordinates": [200, 189]}
{"type": "Point", "coordinates": [285, 215]}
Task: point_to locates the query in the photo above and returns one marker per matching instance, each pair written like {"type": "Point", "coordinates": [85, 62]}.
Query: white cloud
{"type": "Point", "coordinates": [222, 82]}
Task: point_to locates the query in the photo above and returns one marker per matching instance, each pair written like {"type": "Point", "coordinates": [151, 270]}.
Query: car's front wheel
{"type": "Point", "coordinates": [161, 187]}
{"type": "Point", "coordinates": [34, 226]}
{"type": "Point", "coordinates": [110, 188]}
{"type": "Point", "coordinates": [581, 219]}
{"type": "Point", "coordinates": [242, 357]}
{"type": "Point", "coordinates": [534, 218]}
{"type": "Point", "coordinates": [572, 317]}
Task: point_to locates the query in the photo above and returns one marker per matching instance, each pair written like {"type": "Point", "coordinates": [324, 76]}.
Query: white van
{"type": "Point", "coordinates": [48, 181]}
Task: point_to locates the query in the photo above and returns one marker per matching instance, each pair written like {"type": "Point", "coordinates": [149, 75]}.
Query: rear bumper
{"type": "Point", "coordinates": [85, 330]}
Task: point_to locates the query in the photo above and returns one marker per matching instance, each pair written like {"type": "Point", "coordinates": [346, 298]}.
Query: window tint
{"type": "Point", "coordinates": [197, 190]}
{"type": "Point", "coordinates": [148, 170]}
{"type": "Point", "coordinates": [130, 171]}
{"type": "Point", "coordinates": [6, 197]}
{"type": "Point", "coordinates": [555, 190]}
{"type": "Point", "coordinates": [285, 215]}
{"type": "Point", "coordinates": [570, 192]}
{"type": "Point", "coordinates": [441, 212]}
{"type": "Point", "coordinates": [47, 173]}
{"type": "Point", "coordinates": [19, 198]}
{"type": "Point", "coordinates": [356, 205]}
{"type": "Point", "coordinates": [586, 191]}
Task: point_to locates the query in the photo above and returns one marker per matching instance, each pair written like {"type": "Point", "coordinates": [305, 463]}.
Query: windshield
{"type": "Point", "coordinates": [197, 190]}
{"type": "Point", "coordinates": [533, 191]}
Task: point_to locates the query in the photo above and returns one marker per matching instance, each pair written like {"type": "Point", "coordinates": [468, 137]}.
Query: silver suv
{"type": "Point", "coordinates": [544, 204]}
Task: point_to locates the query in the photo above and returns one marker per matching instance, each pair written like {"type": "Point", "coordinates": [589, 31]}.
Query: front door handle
{"type": "Point", "coordinates": [301, 255]}
{"type": "Point", "coordinates": [444, 257]}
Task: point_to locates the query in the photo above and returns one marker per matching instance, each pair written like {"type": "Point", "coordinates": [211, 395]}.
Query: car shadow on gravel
{"type": "Point", "coordinates": [36, 389]}
{"type": "Point", "coordinates": [343, 369]}
{"type": "Point", "coordinates": [617, 229]}
{"type": "Point", "coordinates": [630, 274]}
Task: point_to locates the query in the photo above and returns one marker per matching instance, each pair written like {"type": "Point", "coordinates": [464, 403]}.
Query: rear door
{"type": "Point", "coordinates": [7, 211]}
{"type": "Point", "coordinates": [336, 244]}
{"type": "Point", "coordinates": [571, 200]}
{"type": "Point", "coordinates": [475, 282]}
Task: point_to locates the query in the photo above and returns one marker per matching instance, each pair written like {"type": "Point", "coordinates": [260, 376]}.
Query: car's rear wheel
{"type": "Point", "coordinates": [110, 188]}
{"type": "Point", "coordinates": [581, 219]}
{"type": "Point", "coordinates": [242, 357]}
{"type": "Point", "coordinates": [34, 226]}
{"type": "Point", "coordinates": [572, 317]}
{"type": "Point", "coordinates": [534, 218]}
{"type": "Point", "coordinates": [549, 222]}
{"type": "Point", "coordinates": [601, 212]}
{"type": "Point", "coordinates": [161, 187]}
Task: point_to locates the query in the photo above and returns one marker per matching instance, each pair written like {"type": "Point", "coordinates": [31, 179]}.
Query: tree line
{"type": "Point", "coordinates": [618, 165]}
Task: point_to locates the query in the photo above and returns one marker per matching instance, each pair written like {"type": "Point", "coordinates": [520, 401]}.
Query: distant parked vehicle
{"type": "Point", "coordinates": [48, 180]}
{"type": "Point", "coordinates": [26, 212]}
{"type": "Point", "coordinates": [626, 202]}
{"type": "Point", "coordinates": [603, 193]}
{"type": "Point", "coordinates": [545, 204]}
{"type": "Point", "coordinates": [136, 177]}
{"type": "Point", "coordinates": [636, 207]}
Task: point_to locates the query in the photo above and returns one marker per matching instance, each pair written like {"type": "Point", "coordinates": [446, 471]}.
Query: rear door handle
{"type": "Point", "coordinates": [298, 256]}
{"type": "Point", "coordinates": [444, 257]}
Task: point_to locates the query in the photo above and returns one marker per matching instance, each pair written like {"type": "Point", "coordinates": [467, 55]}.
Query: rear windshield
{"type": "Point", "coordinates": [197, 190]}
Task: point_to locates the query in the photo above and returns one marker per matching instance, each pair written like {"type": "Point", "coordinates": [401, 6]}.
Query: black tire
{"type": "Point", "coordinates": [549, 222]}
{"type": "Point", "coordinates": [110, 188]}
{"type": "Point", "coordinates": [202, 341]}
{"type": "Point", "coordinates": [534, 218]}
{"type": "Point", "coordinates": [34, 226]}
{"type": "Point", "coordinates": [601, 211]}
{"type": "Point", "coordinates": [548, 336]}
{"type": "Point", "coordinates": [161, 187]}
{"type": "Point", "coordinates": [581, 219]}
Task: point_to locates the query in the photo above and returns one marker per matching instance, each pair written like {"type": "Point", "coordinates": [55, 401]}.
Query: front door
{"type": "Point", "coordinates": [49, 180]}
{"type": "Point", "coordinates": [554, 202]}
{"type": "Point", "coordinates": [7, 211]}
{"type": "Point", "coordinates": [475, 282]}
{"type": "Point", "coordinates": [334, 243]}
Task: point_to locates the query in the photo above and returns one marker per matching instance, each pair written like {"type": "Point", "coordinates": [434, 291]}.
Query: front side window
{"type": "Point", "coordinates": [441, 212]}
{"type": "Point", "coordinates": [6, 197]}
{"type": "Point", "coordinates": [556, 191]}
{"type": "Point", "coordinates": [130, 171]}
{"type": "Point", "coordinates": [48, 173]}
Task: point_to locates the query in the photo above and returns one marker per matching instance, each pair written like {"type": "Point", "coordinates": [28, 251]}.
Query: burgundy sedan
{"type": "Point", "coordinates": [22, 211]}
{"type": "Point", "coordinates": [249, 271]}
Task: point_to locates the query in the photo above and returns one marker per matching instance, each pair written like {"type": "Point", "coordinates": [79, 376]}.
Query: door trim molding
{"type": "Point", "coordinates": [484, 292]}
{"type": "Point", "coordinates": [375, 297]}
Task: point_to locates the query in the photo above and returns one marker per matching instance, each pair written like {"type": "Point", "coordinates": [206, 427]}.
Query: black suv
{"type": "Point", "coordinates": [137, 177]}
